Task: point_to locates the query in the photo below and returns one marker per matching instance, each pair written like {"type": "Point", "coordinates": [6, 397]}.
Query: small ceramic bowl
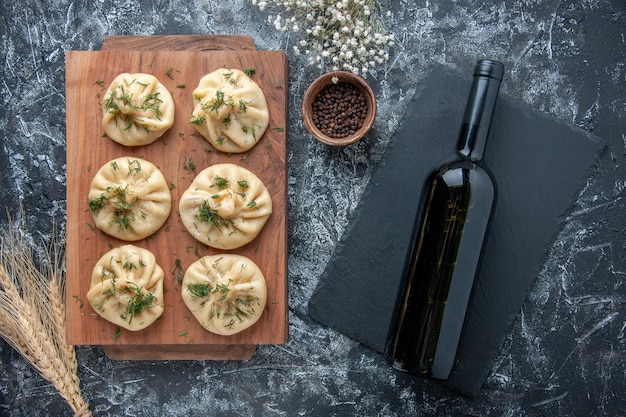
{"type": "Point", "coordinates": [314, 90]}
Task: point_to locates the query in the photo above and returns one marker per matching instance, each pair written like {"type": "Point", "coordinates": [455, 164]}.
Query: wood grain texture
{"type": "Point", "coordinates": [180, 352]}
{"type": "Point", "coordinates": [88, 73]}
{"type": "Point", "coordinates": [191, 43]}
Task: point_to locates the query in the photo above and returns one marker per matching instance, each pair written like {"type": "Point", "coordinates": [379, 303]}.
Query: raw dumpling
{"type": "Point", "coordinates": [230, 110]}
{"type": "Point", "coordinates": [225, 207]}
{"type": "Point", "coordinates": [226, 293]}
{"type": "Point", "coordinates": [127, 287]}
{"type": "Point", "coordinates": [129, 198]}
{"type": "Point", "coordinates": [137, 109]}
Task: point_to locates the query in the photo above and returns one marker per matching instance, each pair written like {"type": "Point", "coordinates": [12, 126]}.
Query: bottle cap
{"type": "Point", "coordinates": [489, 68]}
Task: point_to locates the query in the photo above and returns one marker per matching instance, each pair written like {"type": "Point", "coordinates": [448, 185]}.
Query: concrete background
{"type": "Point", "coordinates": [565, 353]}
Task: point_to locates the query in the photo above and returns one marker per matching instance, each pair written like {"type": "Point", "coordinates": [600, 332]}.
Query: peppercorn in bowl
{"type": "Point", "coordinates": [339, 108]}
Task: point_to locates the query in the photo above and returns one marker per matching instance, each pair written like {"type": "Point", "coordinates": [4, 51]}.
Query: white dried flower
{"type": "Point", "coordinates": [349, 32]}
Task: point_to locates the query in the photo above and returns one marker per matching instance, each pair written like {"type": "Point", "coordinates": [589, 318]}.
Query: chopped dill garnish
{"type": "Point", "coordinates": [220, 182]}
{"type": "Point", "coordinates": [209, 215]}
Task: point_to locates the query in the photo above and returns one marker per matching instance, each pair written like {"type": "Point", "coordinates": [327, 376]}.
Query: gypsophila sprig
{"type": "Point", "coordinates": [345, 35]}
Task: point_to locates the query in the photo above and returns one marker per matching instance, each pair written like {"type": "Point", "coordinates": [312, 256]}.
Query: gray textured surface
{"type": "Point", "coordinates": [525, 146]}
{"type": "Point", "coordinates": [565, 354]}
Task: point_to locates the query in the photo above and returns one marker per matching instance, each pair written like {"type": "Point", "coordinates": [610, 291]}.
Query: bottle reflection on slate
{"type": "Point", "coordinates": [447, 245]}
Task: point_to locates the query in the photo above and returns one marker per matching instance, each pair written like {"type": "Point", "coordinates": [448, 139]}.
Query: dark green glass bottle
{"type": "Point", "coordinates": [447, 244]}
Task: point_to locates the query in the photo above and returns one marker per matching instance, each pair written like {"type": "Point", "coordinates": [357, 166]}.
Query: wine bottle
{"type": "Point", "coordinates": [443, 259]}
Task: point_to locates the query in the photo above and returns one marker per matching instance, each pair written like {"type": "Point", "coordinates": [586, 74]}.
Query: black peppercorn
{"type": "Point", "coordinates": [339, 110]}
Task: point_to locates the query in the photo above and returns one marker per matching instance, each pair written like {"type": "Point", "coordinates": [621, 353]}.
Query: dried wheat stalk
{"type": "Point", "coordinates": [32, 314]}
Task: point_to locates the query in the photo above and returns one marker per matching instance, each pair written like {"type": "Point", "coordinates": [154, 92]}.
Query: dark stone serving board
{"type": "Point", "coordinates": [539, 165]}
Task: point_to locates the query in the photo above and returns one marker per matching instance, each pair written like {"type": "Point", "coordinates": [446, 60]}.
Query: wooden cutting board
{"type": "Point", "coordinates": [177, 335]}
{"type": "Point", "coordinates": [190, 43]}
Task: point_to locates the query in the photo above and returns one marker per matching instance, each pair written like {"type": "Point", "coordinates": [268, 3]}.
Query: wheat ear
{"type": "Point", "coordinates": [32, 314]}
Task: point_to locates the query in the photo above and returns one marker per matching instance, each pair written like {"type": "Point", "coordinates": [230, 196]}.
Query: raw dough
{"type": "Point", "coordinates": [129, 198]}
{"type": "Point", "coordinates": [137, 109]}
{"type": "Point", "coordinates": [127, 287]}
{"type": "Point", "coordinates": [230, 110]}
{"type": "Point", "coordinates": [226, 293]}
{"type": "Point", "coordinates": [225, 207]}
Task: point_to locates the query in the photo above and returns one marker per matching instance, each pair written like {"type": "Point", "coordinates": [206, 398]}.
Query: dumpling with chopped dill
{"type": "Point", "coordinates": [129, 198]}
{"type": "Point", "coordinates": [127, 287]}
{"type": "Point", "coordinates": [225, 207]}
{"type": "Point", "coordinates": [230, 110]}
{"type": "Point", "coordinates": [226, 293]}
{"type": "Point", "coordinates": [137, 109]}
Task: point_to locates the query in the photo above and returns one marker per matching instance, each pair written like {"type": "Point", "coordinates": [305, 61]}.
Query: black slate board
{"type": "Point", "coordinates": [539, 165]}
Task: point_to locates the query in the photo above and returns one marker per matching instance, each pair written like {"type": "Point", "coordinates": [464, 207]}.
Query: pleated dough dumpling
{"type": "Point", "coordinates": [225, 207]}
{"type": "Point", "coordinates": [129, 198]}
{"type": "Point", "coordinates": [226, 293]}
{"type": "Point", "coordinates": [137, 109]}
{"type": "Point", "coordinates": [127, 287]}
{"type": "Point", "coordinates": [230, 110]}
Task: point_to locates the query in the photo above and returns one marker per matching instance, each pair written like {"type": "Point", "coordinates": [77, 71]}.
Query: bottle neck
{"type": "Point", "coordinates": [479, 109]}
